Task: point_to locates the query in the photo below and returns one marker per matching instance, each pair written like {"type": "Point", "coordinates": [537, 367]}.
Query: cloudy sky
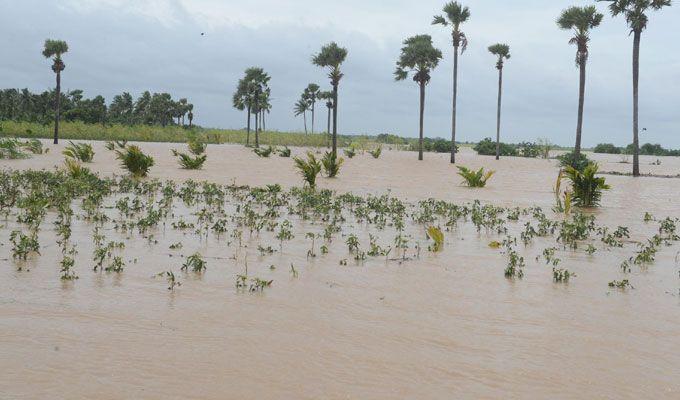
{"type": "Point", "coordinates": [156, 45]}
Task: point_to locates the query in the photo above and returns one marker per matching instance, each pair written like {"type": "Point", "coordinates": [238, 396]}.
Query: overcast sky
{"type": "Point", "coordinates": [156, 45]}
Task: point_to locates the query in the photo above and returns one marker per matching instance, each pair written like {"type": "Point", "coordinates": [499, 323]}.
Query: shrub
{"type": "Point", "coordinates": [331, 164]}
{"type": "Point", "coordinates": [606, 148]}
{"type": "Point", "coordinates": [475, 179]}
{"type": "Point", "coordinates": [309, 168]}
{"type": "Point", "coordinates": [35, 146]}
{"type": "Point", "coordinates": [437, 145]}
{"type": "Point", "coordinates": [11, 148]}
{"type": "Point", "coordinates": [570, 160]}
{"type": "Point", "coordinates": [528, 150]}
{"type": "Point", "coordinates": [263, 151]}
{"type": "Point", "coordinates": [351, 152]}
{"type": "Point", "coordinates": [188, 162]}
{"type": "Point", "coordinates": [75, 169]}
{"type": "Point", "coordinates": [135, 161]}
{"type": "Point", "coordinates": [79, 151]}
{"type": "Point", "coordinates": [284, 152]}
{"type": "Point", "coordinates": [376, 152]}
{"type": "Point", "coordinates": [196, 146]}
{"type": "Point", "coordinates": [586, 187]}
{"type": "Point", "coordinates": [487, 147]}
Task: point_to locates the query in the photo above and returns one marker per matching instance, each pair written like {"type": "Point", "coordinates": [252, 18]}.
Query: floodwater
{"type": "Point", "coordinates": [443, 326]}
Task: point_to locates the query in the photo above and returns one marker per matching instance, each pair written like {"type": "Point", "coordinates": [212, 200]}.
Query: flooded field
{"type": "Point", "coordinates": [293, 295]}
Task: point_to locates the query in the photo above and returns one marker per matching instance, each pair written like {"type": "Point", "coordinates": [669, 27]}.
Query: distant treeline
{"type": "Point", "coordinates": [148, 109]}
{"type": "Point", "coordinates": [646, 149]}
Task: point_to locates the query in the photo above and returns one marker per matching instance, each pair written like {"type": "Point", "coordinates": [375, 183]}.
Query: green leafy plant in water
{"type": "Point", "coordinates": [135, 161]}
{"type": "Point", "coordinates": [23, 245]}
{"type": "Point", "coordinates": [622, 284]}
{"type": "Point", "coordinates": [515, 267]}
{"type": "Point", "coordinates": [264, 152]}
{"type": "Point", "coordinates": [437, 236]}
{"type": "Point", "coordinates": [562, 275]}
{"type": "Point", "coordinates": [171, 279]}
{"type": "Point", "coordinates": [375, 153]}
{"type": "Point", "coordinates": [284, 152]}
{"type": "Point", "coordinates": [309, 169]}
{"type": "Point", "coordinates": [586, 187]}
{"type": "Point", "coordinates": [475, 179]}
{"type": "Point", "coordinates": [331, 164]}
{"type": "Point", "coordinates": [350, 152]}
{"type": "Point", "coordinates": [196, 263]}
{"type": "Point", "coordinates": [187, 161]}
{"type": "Point", "coordinates": [82, 152]}
{"type": "Point", "coordinates": [67, 273]}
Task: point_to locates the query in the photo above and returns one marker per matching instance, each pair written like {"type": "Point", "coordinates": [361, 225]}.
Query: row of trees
{"type": "Point", "coordinates": [149, 109]}
{"type": "Point", "coordinates": [307, 102]}
{"type": "Point", "coordinates": [253, 96]}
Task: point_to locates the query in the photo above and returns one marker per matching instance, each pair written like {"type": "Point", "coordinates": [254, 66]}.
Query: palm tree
{"type": "Point", "coordinates": [581, 20]}
{"type": "Point", "coordinates": [419, 57]}
{"type": "Point", "coordinates": [55, 49]}
{"type": "Point", "coordinates": [190, 114]}
{"type": "Point", "coordinates": [332, 56]}
{"type": "Point", "coordinates": [328, 97]}
{"type": "Point", "coordinates": [311, 93]}
{"type": "Point", "coordinates": [456, 14]}
{"type": "Point", "coordinates": [634, 11]}
{"type": "Point", "coordinates": [252, 94]}
{"type": "Point", "coordinates": [502, 51]}
{"type": "Point", "coordinates": [301, 108]}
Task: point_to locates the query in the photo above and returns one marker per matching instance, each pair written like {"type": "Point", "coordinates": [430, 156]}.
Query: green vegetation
{"type": "Point", "coordinates": [14, 149]}
{"type": "Point", "coordinates": [82, 152]}
{"type": "Point", "coordinates": [309, 169]}
{"type": "Point", "coordinates": [502, 53]}
{"type": "Point", "coordinates": [135, 161]}
{"type": "Point", "coordinates": [475, 179]}
{"type": "Point", "coordinates": [375, 153]}
{"type": "Point", "coordinates": [331, 164]}
{"type": "Point", "coordinates": [647, 149]}
{"type": "Point", "coordinates": [263, 152]}
{"type": "Point", "coordinates": [332, 56]}
{"type": "Point", "coordinates": [252, 95]}
{"type": "Point", "coordinates": [570, 159]}
{"type": "Point", "coordinates": [587, 188]}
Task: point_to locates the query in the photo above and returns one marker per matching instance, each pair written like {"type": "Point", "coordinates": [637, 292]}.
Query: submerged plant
{"type": "Point", "coordinates": [284, 152]}
{"type": "Point", "coordinates": [475, 179]}
{"type": "Point", "coordinates": [135, 161]}
{"type": "Point", "coordinates": [263, 151]}
{"type": "Point", "coordinates": [309, 169]}
{"type": "Point", "coordinates": [331, 164]}
{"type": "Point", "coordinates": [376, 152]}
{"type": "Point", "coordinates": [82, 152]}
{"type": "Point", "coordinates": [350, 152]}
{"type": "Point", "coordinates": [187, 161]}
{"type": "Point", "coordinates": [437, 236]}
{"type": "Point", "coordinates": [587, 188]}
{"type": "Point", "coordinates": [196, 263]}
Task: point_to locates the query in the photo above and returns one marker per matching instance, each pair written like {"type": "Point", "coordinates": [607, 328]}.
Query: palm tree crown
{"type": "Point", "coordinates": [455, 15]}
{"type": "Point", "coordinates": [55, 49]}
{"type": "Point", "coordinates": [331, 55]}
{"type": "Point", "coordinates": [502, 51]}
{"type": "Point", "coordinates": [634, 11]}
{"type": "Point", "coordinates": [581, 20]}
{"type": "Point", "coordinates": [419, 56]}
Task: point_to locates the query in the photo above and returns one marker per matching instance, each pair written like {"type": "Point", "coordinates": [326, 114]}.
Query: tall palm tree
{"type": "Point", "coordinates": [332, 56]}
{"type": "Point", "coordinates": [636, 17]}
{"type": "Point", "coordinates": [502, 52]}
{"type": "Point", "coordinates": [328, 97]}
{"type": "Point", "coordinates": [301, 108]}
{"type": "Point", "coordinates": [454, 14]}
{"type": "Point", "coordinates": [252, 94]}
{"type": "Point", "coordinates": [55, 49]}
{"type": "Point", "coordinates": [581, 20]}
{"type": "Point", "coordinates": [419, 57]}
{"type": "Point", "coordinates": [312, 94]}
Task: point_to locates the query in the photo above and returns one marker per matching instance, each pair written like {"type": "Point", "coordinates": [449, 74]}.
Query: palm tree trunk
{"type": "Point", "coordinates": [581, 101]}
{"type": "Point", "coordinates": [248, 129]}
{"type": "Point", "coordinates": [264, 125]}
{"type": "Point", "coordinates": [335, 120]}
{"type": "Point", "coordinates": [498, 113]}
{"type": "Point", "coordinates": [57, 110]}
{"type": "Point", "coordinates": [636, 81]}
{"type": "Point", "coordinates": [313, 103]}
{"type": "Point", "coordinates": [422, 115]}
{"type": "Point", "coordinates": [257, 129]}
{"type": "Point", "coordinates": [328, 129]}
{"type": "Point", "coordinates": [304, 118]}
{"type": "Point", "coordinates": [455, 95]}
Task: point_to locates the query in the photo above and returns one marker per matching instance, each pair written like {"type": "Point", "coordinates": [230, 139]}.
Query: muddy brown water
{"type": "Point", "coordinates": [448, 325]}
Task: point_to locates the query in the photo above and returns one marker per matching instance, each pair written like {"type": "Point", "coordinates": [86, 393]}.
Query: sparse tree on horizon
{"type": "Point", "coordinates": [55, 49]}
{"type": "Point", "coordinates": [581, 20]}
{"type": "Point", "coordinates": [332, 56]}
{"type": "Point", "coordinates": [301, 108]}
{"type": "Point", "coordinates": [419, 57]}
{"type": "Point", "coordinates": [636, 17]}
{"type": "Point", "coordinates": [454, 15]}
{"type": "Point", "coordinates": [502, 52]}
{"type": "Point", "coordinates": [311, 93]}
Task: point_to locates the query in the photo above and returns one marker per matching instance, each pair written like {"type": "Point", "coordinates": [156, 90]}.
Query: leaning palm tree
{"type": "Point", "coordinates": [301, 108]}
{"type": "Point", "coordinates": [502, 51]}
{"type": "Point", "coordinates": [55, 49]}
{"type": "Point", "coordinates": [635, 13]}
{"type": "Point", "coordinates": [311, 94]}
{"type": "Point", "coordinates": [455, 15]}
{"type": "Point", "coordinates": [581, 20]}
{"type": "Point", "coordinates": [332, 56]}
{"type": "Point", "coordinates": [419, 57]}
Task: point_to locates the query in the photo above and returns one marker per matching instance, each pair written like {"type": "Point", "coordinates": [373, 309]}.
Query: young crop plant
{"type": "Point", "coordinates": [23, 245]}
{"type": "Point", "coordinates": [263, 152]}
{"type": "Point", "coordinates": [562, 275]}
{"type": "Point", "coordinates": [586, 187]}
{"type": "Point", "coordinates": [195, 263]}
{"type": "Point", "coordinates": [172, 280]}
{"type": "Point", "coordinates": [284, 152]}
{"type": "Point", "coordinates": [331, 164]}
{"type": "Point", "coordinates": [82, 152]}
{"type": "Point", "coordinates": [309, 169]}
{"type": "Point", "coordinates": [187, 161]}
{"type": "Point", "coordinates": [135, 161]}
{"type": "Point", "coordinates": [437, 236]}
{"type": "Point", "coordinates": [475, 179]}
{"type": "Point", "coordinates": [515, 268]}
{"type": "Point", "coordinates": [375, 153]}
